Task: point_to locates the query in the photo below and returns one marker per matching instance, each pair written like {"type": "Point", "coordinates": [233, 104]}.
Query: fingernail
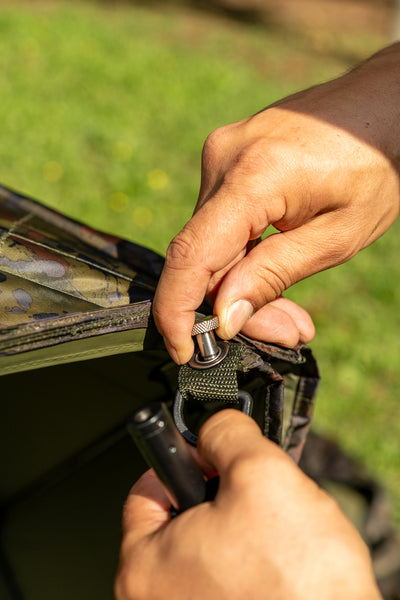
{"type": "Point", "coordinates": [236, 317]}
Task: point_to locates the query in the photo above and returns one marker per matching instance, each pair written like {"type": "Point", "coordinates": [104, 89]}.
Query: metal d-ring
{"type": "Point", "coordinates": [246, 405]}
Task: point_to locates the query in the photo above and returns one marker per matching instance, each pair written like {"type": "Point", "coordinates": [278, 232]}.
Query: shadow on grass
{"type": "Point", "coordinates": [258, 14]}
{"type": "Point", "coordinates": [238, 11]}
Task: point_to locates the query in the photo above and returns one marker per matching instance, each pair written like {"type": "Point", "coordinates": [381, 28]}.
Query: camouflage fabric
{"type": "Point", "coordinates": [79, 352]}
{"type": "Point", "coordinates": [56, 278]}
{"type": "Point", "coordinates": [52, 266]}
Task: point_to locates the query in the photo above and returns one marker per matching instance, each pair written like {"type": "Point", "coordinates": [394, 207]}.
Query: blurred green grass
{"type": "Point", "coordinates": [104, 111]}
{"type": "Point", "coordinates": [99, 101]}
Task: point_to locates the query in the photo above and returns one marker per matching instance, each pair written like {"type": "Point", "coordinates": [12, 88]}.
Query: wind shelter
{"type": "Point", "coordinates": [79, 352]}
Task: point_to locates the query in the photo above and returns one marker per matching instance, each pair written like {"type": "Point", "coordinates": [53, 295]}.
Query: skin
{"type": "Point", "coordinates": [269, 533]}
{"type": "Point", "coordinates": [323, 167]}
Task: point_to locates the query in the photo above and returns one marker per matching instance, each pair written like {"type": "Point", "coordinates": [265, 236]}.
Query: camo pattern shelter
{"type": "Point", "coordinates": [78, 353]}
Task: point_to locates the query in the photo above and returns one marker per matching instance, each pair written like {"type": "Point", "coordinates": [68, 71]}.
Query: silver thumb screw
{"type": "Point", "coordinates": [210, 352]}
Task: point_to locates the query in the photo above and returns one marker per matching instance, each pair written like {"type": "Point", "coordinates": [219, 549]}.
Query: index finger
{"type": "Point", "coordinates": [214, 237]}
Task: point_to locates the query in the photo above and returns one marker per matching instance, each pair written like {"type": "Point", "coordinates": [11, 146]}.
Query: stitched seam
{"type": "Point", "coordinates": [266, 412]}
{"type": "Point", "coordinates": [131, 315]}
{"type": "Point", "coordinates": [82, 353]}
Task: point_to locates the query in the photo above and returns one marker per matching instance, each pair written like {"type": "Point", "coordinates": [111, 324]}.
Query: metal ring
{"type": "Point", "coordinates": [198, 362]}
{"type": "Point", "coordinates": [245, 399]}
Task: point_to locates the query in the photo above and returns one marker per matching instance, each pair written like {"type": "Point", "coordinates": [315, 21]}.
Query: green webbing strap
{"type": "Point", "coordinates": [217, 383]}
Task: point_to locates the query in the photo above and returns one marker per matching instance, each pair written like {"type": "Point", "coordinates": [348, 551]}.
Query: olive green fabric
{"type": "Point", "coordinates": [218, 383]}
{"type": "Point", "coordinates": [68, 464]}
{"type": "Point", "coordinates": [63, 543]}
{"type": "Point", "coordinates": [52, 266]}
{"type": "Point", "coordinates": [37, 354]}
{"type": "Point", "coordinates": [282, 384]}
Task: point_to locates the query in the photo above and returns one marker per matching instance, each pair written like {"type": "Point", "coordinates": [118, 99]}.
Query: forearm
{"type": "Point", "coordinates": [369, 96]}
{"type": "Point", "coordinates": [379, 79]}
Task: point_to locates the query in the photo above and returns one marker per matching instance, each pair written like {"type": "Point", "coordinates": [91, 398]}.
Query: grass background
{"type": "Point", "coordinates": [104, 111]}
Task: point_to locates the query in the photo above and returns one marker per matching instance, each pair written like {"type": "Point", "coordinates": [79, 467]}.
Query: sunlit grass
{"type": "Point", "coordinates": [99, 103]}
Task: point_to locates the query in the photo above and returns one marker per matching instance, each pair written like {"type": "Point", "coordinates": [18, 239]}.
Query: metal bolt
{"type": "Point", "coordinates": [211, 352]}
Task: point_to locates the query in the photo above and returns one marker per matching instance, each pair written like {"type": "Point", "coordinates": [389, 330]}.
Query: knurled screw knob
{"type": "Point", "coordinates": [206, 324]}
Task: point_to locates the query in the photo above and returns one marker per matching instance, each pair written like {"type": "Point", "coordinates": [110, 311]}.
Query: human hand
{"type": "Point", "coordinates": [322, 166]}
{"type": "Point", "coordinates": [271, 533]}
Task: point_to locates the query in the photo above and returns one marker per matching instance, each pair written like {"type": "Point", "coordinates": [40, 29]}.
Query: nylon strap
{"type": "Point", "coordinates": [217, 383]}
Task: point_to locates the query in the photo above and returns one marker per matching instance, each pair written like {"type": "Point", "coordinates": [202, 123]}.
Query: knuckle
{"type": "Point", "coordinates": [253, 173]}
{"type": "Point", "coordinates": [215, 142]}
{"type": "Point", "coordinates": [337, 251]}
{"type": "Point", "coordinates": [274, 281]}
{"type": "Point", "coordinates": [180, 252]}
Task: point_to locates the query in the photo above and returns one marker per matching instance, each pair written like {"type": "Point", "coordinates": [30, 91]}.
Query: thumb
{"type": "Point", "coordinates": [275, 264]}
{"type": "Point", "coordinates": [230, 437]}
{"type": "Point", "coordinates": [146, 508]}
